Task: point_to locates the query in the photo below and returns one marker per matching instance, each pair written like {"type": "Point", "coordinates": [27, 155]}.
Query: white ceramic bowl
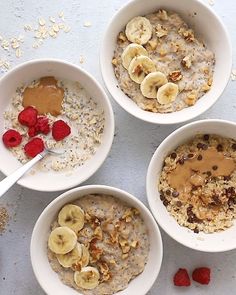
{"type": "Point", "coordinates": [50, 281]}
{"type": "Point", "coordinates": [215, 242]}
{"type": "Point", "coordinates": [54, 181]}
{"type": "Point", "coordinates": [207, 26]}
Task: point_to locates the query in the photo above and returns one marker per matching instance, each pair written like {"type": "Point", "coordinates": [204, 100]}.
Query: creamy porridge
{"type": "Point", "coordinates": [198, 183]}
{"type": "Point", "coordinates": [63, 100]}
{"type": "Point", "coordinates": [160, 64]}
{"type": "Point", "coordinates": [107, 241]}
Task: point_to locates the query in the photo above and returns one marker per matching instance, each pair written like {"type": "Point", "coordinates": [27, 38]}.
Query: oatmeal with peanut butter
{"type": "Point", "coordinates": [98, 244]}
{"type": "Point", "coordinates": [160, 63]}
{"type": "Point", "coordinates": [198, 183]}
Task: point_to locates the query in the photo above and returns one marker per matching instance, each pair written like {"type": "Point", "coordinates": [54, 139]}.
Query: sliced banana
{"type": "Point", "coordinates": [139, 67]}
{"type": "Point", "coordinates": [167, 93]}
{"type": "Point", "coordinates": [87, 278]}
{"type": "Point", "coordinates": [71, 216]}
{"type": "Point", "coordinates": [139, 30]}
{"type": "Point", "coordinates": [62, 240]}
{"type": "Point", "coordinates": [151, 83]}
{"type": "Point", "coordinates": [131, 51]}
{"type": "Point", "coordinates": [84, 261]}
{"type": "Point", "coordinates": [71, 257]}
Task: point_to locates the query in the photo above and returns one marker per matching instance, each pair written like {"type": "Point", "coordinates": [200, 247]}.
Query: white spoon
{"type": "Point", "coordinates": [8, 182]}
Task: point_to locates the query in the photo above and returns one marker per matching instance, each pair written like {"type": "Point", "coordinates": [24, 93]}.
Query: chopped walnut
{"type": "Point", "coordinates": [152, 44]}
{"type": "Point", "coordinates": [114, 236]}
{"type": "Point", "coordinates": [94, 222]}
{"type": "Point", "coordinates": [175, 76]}
{"type": "Point", "coordinates": [134, 244]}
{"type": "Point", "coordinates": [186, 61]}
{"type": "Point", "coordinates": [174, 46]}
{"type": "Point", "coordinates": [103, 267]}
{"type": "Point", "coordinates": [124, 256]}
{"type": "Point", "coordinates": [191, 98]}
{"type": "Point", "coordinates": [115, 62]}
{"type": "Point", "coordinates": [187, 34]}
{"type": "Point", "coordinates": [162, 14]}
{"type": "Point", "coordinates": [98, 233]}
{"type": "Point", "coordinates": [205, 87]}
{"type": "Point", "coordinates": [87, 216]}
{"type": "Point", "coordinates": [210, 80]}
{"type": "Point", "coordinates": [124, 244]}
{"type": "Point", "coordinates": [121, 38]}
{"type": "Point", "coordinates": [161, 31]}
{"type": "Point", "coordinates": [95, 252]}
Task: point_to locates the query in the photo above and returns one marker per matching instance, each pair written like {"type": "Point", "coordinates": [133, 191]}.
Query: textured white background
{"type": "Point", "coordinates": [126, 166]}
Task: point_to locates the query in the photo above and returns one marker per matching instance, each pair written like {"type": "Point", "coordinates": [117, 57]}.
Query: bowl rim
{"type": "Point", "coordinates": [144, 114]}
{"type": "Point", "coordinates": [106, 101]}
{"type": "Point", "coordinates": [99, 188]}
{"type": "Point", "coordinates": [151, 170]}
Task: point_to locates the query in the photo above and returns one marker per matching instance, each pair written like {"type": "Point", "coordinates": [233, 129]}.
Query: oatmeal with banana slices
{"type": "Point", "coordinates": [98, 244]}
{"type": "Point", "coordinates": [198, 183]}
{"type": "Point", "coordinates": [160, 64]}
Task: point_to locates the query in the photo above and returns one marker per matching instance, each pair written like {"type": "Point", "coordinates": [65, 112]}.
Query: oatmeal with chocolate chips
{"type": "Point", "coordinates": [198, 183]}
{"type": "Point", "coordinates": [160, 63]}
{"type": "Point", "coordinates": [105, 244]}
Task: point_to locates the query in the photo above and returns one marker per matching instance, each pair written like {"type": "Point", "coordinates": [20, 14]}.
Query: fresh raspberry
{"type": "Point", "coordinates": [11, 138]}
{"type": "Point", "coordinates": [202, 275]}
{"type": "Point", "coordinates": [34, 147]}
{"type": "Point", "coordinates": [28, 116]}
{"type": "Point", "coordinates": [181, 278]}
{"type": "Point", "coordinates": [32, 131]}
{"type": "Point", "coordinates": [60, 130]}
{"type": "Point", "coordinates": [42, 125]}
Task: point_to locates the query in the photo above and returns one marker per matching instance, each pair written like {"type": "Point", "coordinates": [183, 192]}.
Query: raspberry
{"type": "Point", "coordinates": [34, 147]}
{"type": "Point", "coordinates": [181, 278]}
{"type": "Point", "coordinates": [28, 116]}
{"type": "Point", "coordinates": [202, 275]}
{"type": "Point", "coordinates": [41, 126]}
{"type": "Point", "coordinates": [11, 138]}
{"type": "Point", "coordinates": [60, 130]}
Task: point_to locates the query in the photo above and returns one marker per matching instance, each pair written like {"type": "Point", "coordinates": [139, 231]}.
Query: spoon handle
{"type": "Point", "coordinates": [8, 182]}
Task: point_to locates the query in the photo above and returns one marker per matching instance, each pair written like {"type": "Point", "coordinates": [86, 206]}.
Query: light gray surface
{"type": "Point", "coordinates": [126, 166]}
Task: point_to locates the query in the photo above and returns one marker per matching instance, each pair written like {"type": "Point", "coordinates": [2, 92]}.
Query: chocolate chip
{"type": "Point", "coordinates": [199, 157]}
{"type": "Point", "coordinates": [168, 192]}
{"type": "Point", "coordinates": [181, 161]}
{"type": "Point", "coordinates": [173, 155]}
{"type": "Point", "coordinates": [231, 202]}
{"type": "Point", "coordinates": [216, 199]}
{"type": "Point", "coordinates": [190, 156]}
{"type": "Point", "coordinates": [178, 203]}
{"type": "Point", "coordinates": [166, 203]}
{"type": "Point", "coordinates": [175, 194]}
{"type": "Point", "coordinates": [206, 137]}
{"type": "Point", "coordinates": [227, 178]}
{"type": "Point", "coordinates": [234, 146]}
{"type": "Point", "coordinates": [219, 148]}
{"type": "Point", "coordinates": [196, 230]}
{"type": "Point", "coordinates": [204, 147]}
{"type": "Point", "coordinates": [209, 173]}
{"type": "Point", "coordinates": [193, 219]}
{"type": "Point", "coordinates": [162, 197]}
{"type": "Point", "coordinates": [199, 145]}
{"type": "Point", "coordinates": [215, 167]}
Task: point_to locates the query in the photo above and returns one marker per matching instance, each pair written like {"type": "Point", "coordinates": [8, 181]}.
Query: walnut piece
{"type": "Point", "coordinates": [162, 14]}
{"type": "Point", "coordinates": [175, 76]}
{"type": "Point", "coordinates": [187, 62]}
{"type": "Point", "coordinates": [161, 31]}
{"type": "Point", "coordinates": [188, 35]}
{"type": "Point", "coordinates": [191, 98]}
{"type": "Point", "coordinates": [121, 38]}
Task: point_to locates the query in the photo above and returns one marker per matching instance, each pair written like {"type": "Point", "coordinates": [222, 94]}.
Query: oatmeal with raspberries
{"type": "Point", "coordinates": [57, 114]}
{"type": "Point", "coordinates": [160, 63]}
{"type": "Point", "coordinates": [98, 244]}
{"type": "Point", "coordinates": [198, 183]}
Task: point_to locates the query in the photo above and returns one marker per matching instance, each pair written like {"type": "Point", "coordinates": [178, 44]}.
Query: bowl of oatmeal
{"type": "Point", "coordinates": [54, 104]}
{"type": "Point", "coordinates": [96, 240]}
{"type": "Point", "coordinates": [191, 185]}
{"type": "Point", "coordinates": [162, 62]}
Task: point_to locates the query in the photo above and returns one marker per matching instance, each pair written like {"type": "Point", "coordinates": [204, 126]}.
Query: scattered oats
{"type": "Point", "coordinates": [61, 14]}
{"type": "Point", "coordinates": [42, 22]}
{"type": "Point", "coordinates": [211, 2]}
{"type": "Point", "coordinates": [67, 29]}
{"type": "Point", "coordinates": [81, 59]}
{"type": "Point", "coordinates": [5, 44]}
{"type": "Point", "coordinates": [52, 33]}
{"type": "Point", "coordinates": [20, 38]}
{"type": "Point", "coordinates": [15, 43]}
{"type": "Point", "coordinates": [18, 52]}
{"type": "Point", "coordinates": [233, 75]}
{"type": "Point", "coordinates": [56, 28]}
{"type": "Point", "coordinates": [87, 24]}
{"type": "Point", "coordinates": [35, 45]}
{"type": "Point", "coordinates": [52, 19]}
{"type": "Point", "coordinates": [61, 26]}
{"type": "Point", "coordinates": [28, 27]}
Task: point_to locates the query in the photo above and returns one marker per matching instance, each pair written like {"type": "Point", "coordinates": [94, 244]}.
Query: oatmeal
{"type": "Point", "coordinates": [198, 183]}
{"type": "Point", "coordinates": [160, 64]}
{"type": "Point", "coordinates": [58, 101]}
{"type": "Point", "coordinates": [108, 243]}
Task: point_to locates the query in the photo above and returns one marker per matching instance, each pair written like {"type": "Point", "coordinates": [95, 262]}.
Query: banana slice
{"type": "Point", "coordinates": [139, 30]}
{"type": "Point", "coordinates": [71, 257]}
{"type": "Point", "coordinates": [139, 67]}
{"type": "Point", "coordinates": [62, 240]}
{"type": "Point", "coordinates": [71, 216]}
{"type": "Point", "coordinates": [87, 278]}
{"type": "Point", "coordinates": [131, 51]}
{"type": "Point", "coordinates": [151, 83]}
{"type": "Point", "coordinates": [84, 261]}
{"type": "Point", "coordinates": [167, 93]}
